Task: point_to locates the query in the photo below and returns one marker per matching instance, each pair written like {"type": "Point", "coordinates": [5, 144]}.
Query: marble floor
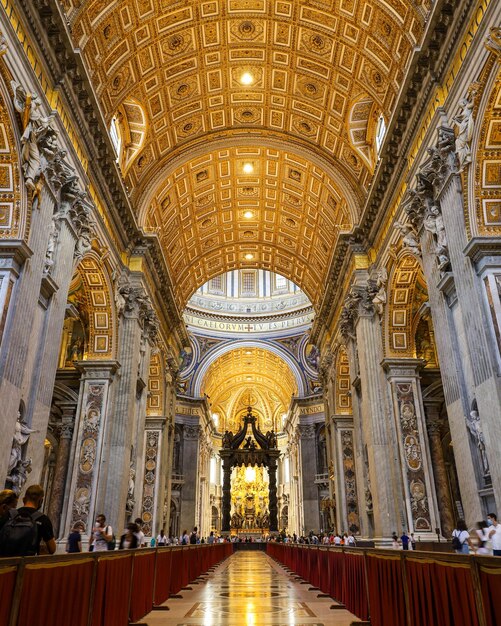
{"type": "Point", "coordinates": [250, 589]}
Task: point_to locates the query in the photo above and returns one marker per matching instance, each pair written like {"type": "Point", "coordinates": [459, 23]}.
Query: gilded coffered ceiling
{"type": "Point", "coordinates": [295, 87]}
{"type": "Point", "coordinates": [249, 376]}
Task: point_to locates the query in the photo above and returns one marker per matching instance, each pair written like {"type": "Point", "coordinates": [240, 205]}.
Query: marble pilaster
{"type": "Point", "coordinates": [378, 427]}
{"type": "Point", "coordinates": [150, 493]}
{"type": "Point", "coordinates": [120, 442]}
{"type": "Point", "coordinates": [191, 443]}
{"type": "Point", "coordinates": [91, 424]}
{"type": "Point", "coordinates": [417, 474]}
{"type": "Point", "coordinates": [309, 490]}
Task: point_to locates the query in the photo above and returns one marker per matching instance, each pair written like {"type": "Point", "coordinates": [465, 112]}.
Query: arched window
{"type": "Point", "coordinates": [380, 133]}
{"type": "Point", "coordinates": [116, 137]}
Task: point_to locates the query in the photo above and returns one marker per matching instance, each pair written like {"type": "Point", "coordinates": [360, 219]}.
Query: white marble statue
{"type": "Point", "coordinates": [22, 433]}
{"type": "Point", "coordinates": [463, 121]}
{"type": "Point", "coordinates": [475, 428]}
{"type": "Point", "coordinates": [379, 299]}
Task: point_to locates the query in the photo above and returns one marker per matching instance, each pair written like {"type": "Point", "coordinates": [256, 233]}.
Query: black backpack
{"type": "Point", "coordinates": [19, 534]}
{"type": "Point", "coordinates": [457, 544]}
{"type": "Point", "coordinates": [193, 537]}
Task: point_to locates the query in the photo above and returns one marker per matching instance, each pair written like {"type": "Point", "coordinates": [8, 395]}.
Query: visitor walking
{"type": "Point", "coordinates": [461, 538]}
{"type": "Point", "coordinates": [74, 541]}
{"type": "Point", "coordinates": [494, 533]}
{"type": "Point", "coordinates": [129, 540]}
{"type": "Point", "coordinates": [8, 501]}
{"type": "Point", "coordinates": [162, 539]}
{"type": "Point", "coordinates": [102, 535]}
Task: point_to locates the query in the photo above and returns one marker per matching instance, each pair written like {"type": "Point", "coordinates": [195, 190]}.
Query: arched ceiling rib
{"type": "Point", "coordinates": [252, 375]}
{"type": "Point", "coordinates": [310, 61]}
{"type": "Point", "coordinates": [200, 217]}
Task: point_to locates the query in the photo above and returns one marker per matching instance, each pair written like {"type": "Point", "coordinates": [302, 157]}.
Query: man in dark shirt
{"type": "Point", "coordinates": [405, 541]}
{"type": "Point", "coordinates": [32, 500]}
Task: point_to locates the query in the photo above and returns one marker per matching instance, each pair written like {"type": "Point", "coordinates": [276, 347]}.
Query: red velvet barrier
{"type": "Point", "coordinates": [8, 577]}
{"type": "Point", "coordinates": [162, 575]}
{"type": "Point", "coordinates": [336, 569]}
{"type": "Point", "coordinates": [111, 596]}
{"type": "Point", "coordinates": [324, 572]}
{"type": "Point", "coordinates": [143, 579]}
{"type": "Point", "coordinates": [386, 590]}
{"type": "Point", "coordinates": [56, 593]}
{"type": "Point", "coordinates": [440, 593]}
{"type": "Point", "coordinates": [176, 577]}
{"type": "Point", "coordinates": [354, 585]}
{"type": "Point", "coordinates": [490, 583]}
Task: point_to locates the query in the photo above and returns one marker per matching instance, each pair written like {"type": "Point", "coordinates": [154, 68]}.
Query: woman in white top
{"type": "Point", "coordinates": [162, 539]}
{"type": "Point", "coordinates": [461, 538]}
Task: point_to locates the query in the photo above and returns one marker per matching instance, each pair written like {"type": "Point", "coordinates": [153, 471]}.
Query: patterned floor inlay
{"type": "Point", "coordinates": [249, 589]}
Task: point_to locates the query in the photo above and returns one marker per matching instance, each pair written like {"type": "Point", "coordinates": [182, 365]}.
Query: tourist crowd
{"type": "Point", "coordinates": [23, 529]}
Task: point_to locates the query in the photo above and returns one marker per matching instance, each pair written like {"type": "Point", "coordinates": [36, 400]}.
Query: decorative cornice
{"type": "Point", "coordinates": [67, 70]}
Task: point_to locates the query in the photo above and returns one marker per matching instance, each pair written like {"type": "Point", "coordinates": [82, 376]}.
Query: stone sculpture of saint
{"type": "Point", "coordinates": [473, 423]}
{"type": "Point", "coordinates": [463, 121]}
{"type": "Point", "coordinates": [434, 223]}
{"type": "Point", "coordinates": [379, 299]}
{"type": "Point", "coordinates": [410, 239]}
{"type": "Point", "coordinates": [22, 433]}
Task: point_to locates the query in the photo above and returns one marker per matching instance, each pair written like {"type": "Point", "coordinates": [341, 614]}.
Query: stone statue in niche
{"type": "Point", "coordinates": [76, 350]}
{"type": "Point", "coordinates": [463, 121]}
{"type": "Point", "coordinates": [19, 468]}
{"type": "Point", "coordinates": [129, 505]}
{"type": "Point", "coordinates": [51, 246]}
{"type": "Point", "coordinates": [379, 299]}
{"type": "Point", "coordinates": [35, 125]}
{"type": "Point", "coordinates": [227, 439]}
{"type": "Point", "coordinates": [475, 428]}
{"type": "Point", "coordinates": [434, 224]}
{"type": "Point", "coordinates": [410, 239]}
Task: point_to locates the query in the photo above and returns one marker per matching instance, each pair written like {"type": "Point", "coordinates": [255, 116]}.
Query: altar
{"type": "Point", "coordinates": [249, 479]}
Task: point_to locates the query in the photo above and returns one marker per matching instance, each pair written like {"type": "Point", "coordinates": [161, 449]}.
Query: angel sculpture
{"type": "Point", "coordinates": [22, 433]}
{"type": "Point", "coordinates": [463, 121]}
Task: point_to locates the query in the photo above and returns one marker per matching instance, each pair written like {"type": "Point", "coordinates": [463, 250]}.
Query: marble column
{"type": "Point", "coordinates": [59, 484]}
{"type": "Point", "coordinates": [417, 474]}
{"type": "Point", "coordinates": [225, 525]}
{"type": "Point", "coordinates": [92, 422]}
{"type": "Point", "coordinates": [435, 423]}
{"type": "Point", "coordinates": [272, 472]}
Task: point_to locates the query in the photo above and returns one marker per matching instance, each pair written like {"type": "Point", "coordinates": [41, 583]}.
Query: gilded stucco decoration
{"type": "Point", "coordinates": [343, 405]}
{"type": "Point", "coordinates": [155, 403]}
{"type": "Point", "coordinates": [13, 223]}
{"type": "Point", "coordinates": [406, 296]}
{"type": "Point", "coordinates": [249, 377]}
{"type": "Point", "coordinates": [488, 167]}
{"type": "Point", "coordinates": [100, 319]}
{"type": "Point", "coordinates": [316, 73]}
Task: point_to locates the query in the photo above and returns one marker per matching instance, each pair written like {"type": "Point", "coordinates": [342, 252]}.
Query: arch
{"type": "Point", "coordinates": [220, 350]}
{"type": "Point", "coordinates": [406, 295]}
{"type": "Point", "coordinates": [484, 189]}
{"type": "Point", "coordinates": [94, 293]}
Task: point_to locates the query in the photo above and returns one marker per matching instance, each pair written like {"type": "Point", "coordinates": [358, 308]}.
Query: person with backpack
{"type": "Point", "coordinates": [194, 536]}
{"type": "Point", "coordinates": [102, 535]}
{"type": "Point", "coordinates": [461, 542]}
{"type": "Point", "coordinates": [8, 501]}
{"type": "Point", "coordinates": [26, 527]}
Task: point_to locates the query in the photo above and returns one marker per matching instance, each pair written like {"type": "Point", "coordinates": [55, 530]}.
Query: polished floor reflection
{"type": "Point", "coordinates": [250, 589]}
